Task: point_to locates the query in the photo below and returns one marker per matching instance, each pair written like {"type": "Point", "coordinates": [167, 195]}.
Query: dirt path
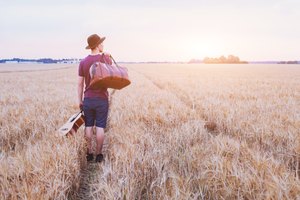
{"type": "Point", "coordinates": [89, 176]}
{"type": "Point", "coordinates": [90, 172]}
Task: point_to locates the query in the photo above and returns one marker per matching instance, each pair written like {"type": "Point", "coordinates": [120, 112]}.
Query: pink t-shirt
{"type": "Point", "coordinates": [83, 71]}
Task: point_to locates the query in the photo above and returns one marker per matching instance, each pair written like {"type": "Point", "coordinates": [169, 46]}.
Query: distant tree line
{"type": "Point", "coordinates": [40, 60]}
{"type": "Point", "coordinates": [231, 59]}
{"type": "Point", "coordinates": [288, 62]}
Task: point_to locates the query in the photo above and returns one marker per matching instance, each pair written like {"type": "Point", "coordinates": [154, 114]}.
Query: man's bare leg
{"type": "Point", "coordinates": [99, 139]}
{"type": "Point", "coordinates": [88, 137]}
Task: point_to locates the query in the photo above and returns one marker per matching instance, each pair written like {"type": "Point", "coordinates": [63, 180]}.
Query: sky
{"type": "Point", "coordinates": [136, 30]}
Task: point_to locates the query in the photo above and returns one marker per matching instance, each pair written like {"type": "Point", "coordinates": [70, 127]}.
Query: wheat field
{"type": "Point", "coordinates": [177, 132]}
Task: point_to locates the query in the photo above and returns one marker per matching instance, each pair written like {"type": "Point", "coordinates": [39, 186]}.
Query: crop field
{"type": "Point", "coordinates": [179, 131]}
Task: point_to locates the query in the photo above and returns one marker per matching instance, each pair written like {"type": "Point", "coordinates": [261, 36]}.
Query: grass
{"type": "Point", "coordinates": [158, 143]}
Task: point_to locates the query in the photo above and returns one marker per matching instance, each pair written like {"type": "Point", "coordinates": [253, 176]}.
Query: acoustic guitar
{"type": "Point", "coordinates": [72, 125]}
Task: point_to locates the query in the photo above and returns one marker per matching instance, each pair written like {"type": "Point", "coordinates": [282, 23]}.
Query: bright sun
{"type": "Point", "coordinates": [201, 48]}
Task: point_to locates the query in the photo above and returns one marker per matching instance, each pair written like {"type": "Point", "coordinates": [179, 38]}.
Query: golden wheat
{"type": "Point", "coordinates": [177, 132]}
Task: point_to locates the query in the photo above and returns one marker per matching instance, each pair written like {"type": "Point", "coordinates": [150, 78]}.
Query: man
{"type": "Point", "coordinates": [95, 102]}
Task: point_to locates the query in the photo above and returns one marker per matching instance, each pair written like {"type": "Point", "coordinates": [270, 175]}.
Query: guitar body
{"type": "Point", "coordinates": [72, 125]}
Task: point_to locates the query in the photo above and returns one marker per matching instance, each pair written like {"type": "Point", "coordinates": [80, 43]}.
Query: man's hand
{"type": "Point", "coordinates": [107, 54]}
{"type": "Point", "coordinates": [81, 106]}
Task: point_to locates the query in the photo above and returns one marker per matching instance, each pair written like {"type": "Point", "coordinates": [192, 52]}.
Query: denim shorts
{"type": "Point", "coordinates": [95, 112]}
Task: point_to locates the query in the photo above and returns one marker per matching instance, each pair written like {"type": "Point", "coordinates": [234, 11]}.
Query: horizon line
{"type": "Point", "coordinates": [151, 61]}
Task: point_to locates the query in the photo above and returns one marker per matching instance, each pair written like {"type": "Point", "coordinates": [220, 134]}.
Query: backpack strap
{"type": "Point", "coordinates": [122, 73]}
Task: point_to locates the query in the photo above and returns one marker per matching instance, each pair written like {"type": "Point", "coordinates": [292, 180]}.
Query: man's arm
{"type": "Point", "coordinates": [80, 90]}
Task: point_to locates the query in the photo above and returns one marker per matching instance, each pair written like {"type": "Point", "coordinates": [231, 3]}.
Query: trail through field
{"type": "Point", "coordinates": [156, 129]}
{"type": "Point", "coordinates": [91, 171]}
{"type": "Point", "coordinates": [89, 175]}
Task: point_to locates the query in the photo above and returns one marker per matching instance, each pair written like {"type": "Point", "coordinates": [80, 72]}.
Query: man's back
{"type": "Point", "coordinates": [83, 71]}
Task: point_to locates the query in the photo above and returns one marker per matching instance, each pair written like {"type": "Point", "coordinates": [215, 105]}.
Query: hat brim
{"type": "Point", "coordinates": [101, 40]}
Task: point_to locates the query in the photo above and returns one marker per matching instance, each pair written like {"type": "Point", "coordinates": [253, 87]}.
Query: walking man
{"type": "Point", "coordinates": [94, 102]}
